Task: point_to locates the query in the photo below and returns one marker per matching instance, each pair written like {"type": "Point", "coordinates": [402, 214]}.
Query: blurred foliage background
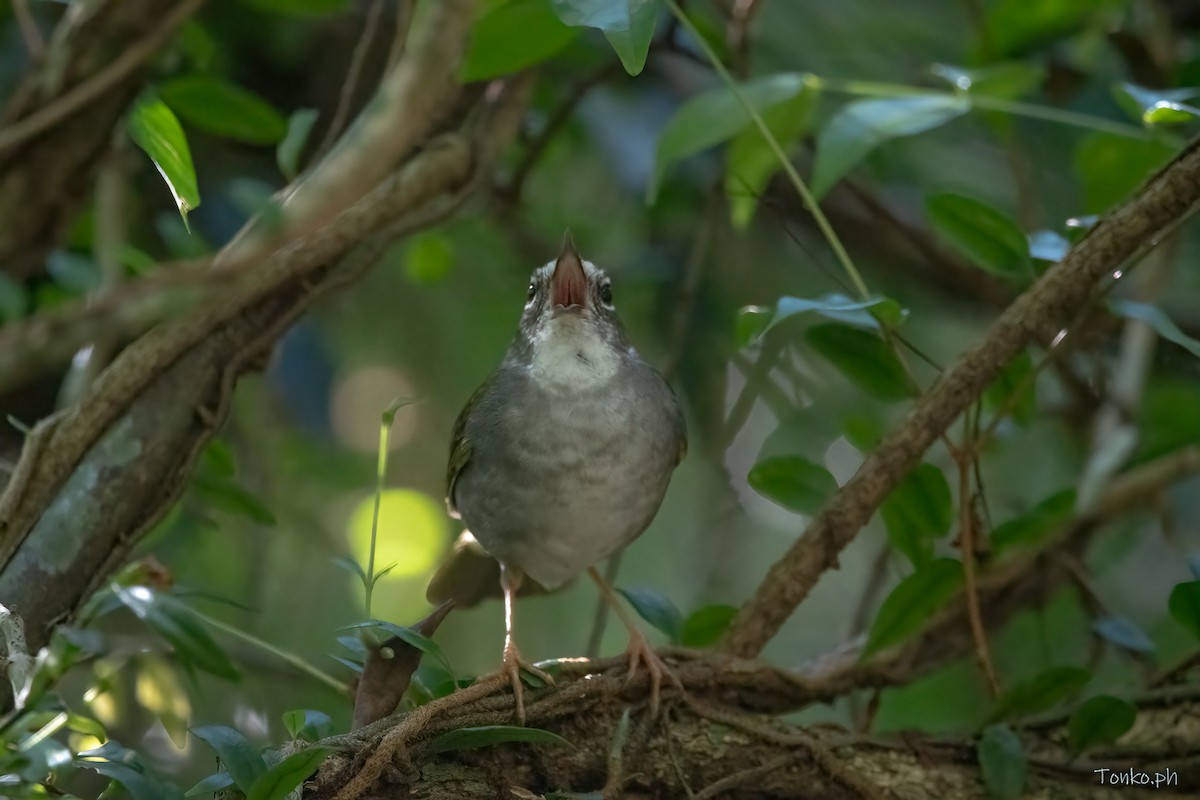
{"type": "Point", "coordinates": [1060, 127]}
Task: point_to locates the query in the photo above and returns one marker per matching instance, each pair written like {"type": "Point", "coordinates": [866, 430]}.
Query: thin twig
{"type": "Point", "coordinates": [83, 94]}
{"type": "Point", "coordinates": [964, 459]}
{"type": "Point", "coordinates": [353, 74]}
{"type": "Point", "coordinates": [743, 777]}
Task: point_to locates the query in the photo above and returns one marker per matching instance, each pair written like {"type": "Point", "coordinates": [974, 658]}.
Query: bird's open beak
{"type": "Point", "coordinates": [568, 285]}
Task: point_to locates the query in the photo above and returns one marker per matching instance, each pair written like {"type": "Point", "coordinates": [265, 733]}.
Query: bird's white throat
{"type": "Point", "coordinates": [569, 353]}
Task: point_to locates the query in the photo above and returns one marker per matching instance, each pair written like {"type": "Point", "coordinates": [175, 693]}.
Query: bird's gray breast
{"type": "Point", "coordinates": [558, 480]}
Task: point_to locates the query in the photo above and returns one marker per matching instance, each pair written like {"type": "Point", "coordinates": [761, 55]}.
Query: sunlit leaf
{"type": "Point", "coordinates": [793, 482]}
{"type": "Point", "coordinates": [913, 602]}
{"type": "Point", "coordinates": [126, 768]}
{"type": "Point", "coordinates": [513, 36]}
{"type": "Point", "coordinates": [627, 24]}
{"type": "Point", "coordinates": [1157, 106]}
{"type": "Point", "coordinates": [985, 235]}
{"type": "Point", "coordinates": [238, 757]}
{"type": "Point", "coordinates": [485, 735]}
{"type": "Point", "coordinates": [1002, 762]}
{"type": "Point", "coordinates": [657, 609]}
{"type": "Point", "coordinates": [715, 116]}
{"type": "Point", "coordinates": [918, 512]}
{"type": "Point", "coordinates": [754, 321]}
{"type": "Point", "coordinates": [307, 724]}
{"type": "Point", "coordinates": [864, 358]}
{"type": "Point", "coordinates": [751, 161]}
{"type": "Point", "coordinates": [409, 637]}
{"type": "Point", "coordinates": [156, 130]}
{"type": "Point", "coordinates": [1099, 720]}
{"type": "Point", "coordinates": [291, 147]}
{"type": "Point", "coordinates": [863, 125]}
{"type": "Point", "coordinates": [179, 625]}
{"type": "Point", "coordinates": [1040, 693]}
{"type": "Point", "coordinates": [1124, 632]}
{"type": "Point", "coordinates": [1184, 605]}
{"type": "Point", "coordinates": [213, 783]}
{"type": "Point", "coordinates": [1008, 80]}
{"type": "Point", "coordinates": [1156, 319]}
{"type": "Point", "coordinates": [224, 109]}
{"type": "Point", "coordinates": [289, 773]}
{"type": "Point", "coordinates": [705, 626]}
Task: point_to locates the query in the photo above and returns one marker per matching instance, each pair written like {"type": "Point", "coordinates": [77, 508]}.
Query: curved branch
{"type": "Point", "coordinates": [1167, 198]}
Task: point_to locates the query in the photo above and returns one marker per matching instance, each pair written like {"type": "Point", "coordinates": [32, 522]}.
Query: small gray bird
{"type": "Point", "coordinates": [561, 457]}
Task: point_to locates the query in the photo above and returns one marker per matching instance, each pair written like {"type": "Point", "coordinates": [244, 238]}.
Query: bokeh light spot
{"type": "Point", "coordinates": [412, 532]}
{"type": "Point", "coordinates": [357, 405]}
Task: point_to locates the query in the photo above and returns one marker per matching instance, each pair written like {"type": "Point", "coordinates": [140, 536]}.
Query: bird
{"type": "Point", "coordinates": [559, 459]}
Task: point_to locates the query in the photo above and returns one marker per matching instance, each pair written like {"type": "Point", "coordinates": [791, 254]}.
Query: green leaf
{"type": "Point", "coordinates": [1111, 167]}
{"type": "Point", "coordinates": [1002, 762]}
{"type": "Point", "coordinates": [238, 757]}
{"type": "Point", "coordinates": [657, 609]}
{"type": "Point", "coordinates": [863, 125]}
{"type": "Point", "coordinates": [1184, 605]}
{"type": "Point", "coordinates": [917, 512]}
{"type": "Point", "coordinates": [985, 235]}
{"type": "Point", "coordinates": [911, 604]}
{"type": "Point", "coordinates": [705, 626]}
{"type": "Point", "coordinates": [224, 109]}
{"type": "Point", "coordinates": [307, 724]}
{"type": "Point", "coordinates": [288, 774]}
{"type": "Point", "coordinates": [1156, 319]}
{"type": "Point", "coordinates": [627, 24]}
{"type": "Point", "coordinates": [485, 735]}
{"type": "Point", "coordinates": [126, 768]}
{"type": "Point", "coordinates": [754, 321]}
{"type": "Point", "coordinates": [217, 459]}
{"type": "Point", "coordinates": [1167, 419]}
{"type": "Point", "coordinates": [512, 36]}
{"type": "Point", "coordinates": [213, 783]}
{"type": "Point", "coordinates": [1099, 720]}
{"type": "Point", "coordinates": [1017, 26]}
{"type": "Point", "coordinates": [226, 495]}
{"type": "Point", "coordinates": [1041, 692]}
{"type": "Point", "coordinates": [299, 7]}
{"type": "Point", "coordinates": [1008, 80]}
{"type": "Point", "coordinates": [428, 258]}
{"type": "Point", "coordinates": [154, 128]}
{"type": "Point", "coordinates": [1032, 528]}
{"type": "Point", "coordinates": [793, 482]}
{"type": "Point", "coordinates": [291, 147]}
{"type": "Point", "coordinates": [86, 726]}
{"type": "Point", "coordinates": [714, 116]}
{"type": "Point", "coordinates": [1015, 390]}
{"type": "Point", "coordinates": [410, 637]}
{"type": "Point", "coordinates": [1124, 632]}
{"type": "Point", "coordinates": [179, 625]}
{"type": "Point", "coordinates": [1157, 106]}
{"type": "Point", "coordinates": [353, 567]}
{"type": "Point", "coordinates": [750, 161]}
{"type": "Point", "coordinates": [862, 357]}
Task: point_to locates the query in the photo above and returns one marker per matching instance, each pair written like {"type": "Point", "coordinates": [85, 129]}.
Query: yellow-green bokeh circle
{"type": "Point", "coordinates": [411, 534]}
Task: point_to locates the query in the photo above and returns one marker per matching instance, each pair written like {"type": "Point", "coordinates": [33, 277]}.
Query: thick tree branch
{"type": "Point", "coordinates": [1167, 198]}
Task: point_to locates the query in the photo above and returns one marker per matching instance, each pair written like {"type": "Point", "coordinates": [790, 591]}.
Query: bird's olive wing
{"type": "Point", "coordinates": [460, 449]}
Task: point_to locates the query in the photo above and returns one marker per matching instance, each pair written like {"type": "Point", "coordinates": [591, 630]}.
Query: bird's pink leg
{"type": "Point", "coordinates": [510, 582]}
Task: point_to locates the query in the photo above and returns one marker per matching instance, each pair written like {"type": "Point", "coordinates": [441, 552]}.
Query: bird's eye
{"type": "Point", "coordinates": [532, 291]}
{"type": "Point", "coordinates": [606, 294]}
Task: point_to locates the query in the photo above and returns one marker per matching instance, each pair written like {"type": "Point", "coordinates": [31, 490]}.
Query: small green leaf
{"type": "Point", "coordinates": [226, 495]}
{"type": "Point", "coordinates": [657, 609]}
{"type": "Point", "coordinates": [86, 726]}
{"type": "Point", "coordinates": [985, 235]}
{"type": "Point", "coordinates": [410, 637]}
{"type": "Point", "coordinates": [1156, 319]}
{"type": "Point", "coordinates": [353, 567]}
{"type": "Point", "coordinates": [918, 512]}
{"type": "Point", "coordinates": [428, 258]}
{"type": "Point", "coordinates": [627, 24]}
{"type": "Point", "coordinates": [213, 783]}
{"type": "Point", "coordinates": [705, 626]}
{"type": "Point", "coordinates": [485, 735]}
{"type": "Point", "coordinates": [1099, 720]}
{"type": "Point", "coordinates": [1015, 390]}
{"type": "Point", "coordinates": [179, 625]}
{"type": "Point", "coordinates": [1032, 528]}
{"type": "Point", "coordinates": [751, 161]}
{"type": "Point", "coordinates": [291, 146]}
{"type": "Point", "coordinates": [217, 459]}
{"type": "Point", "coordinates": [793, 482]}
{"type": "Point", "coordinates": [863, 125]}
{"type": "Point", "coordinates": [289, 773]}
{"type": "Point", "coordinates": [913, 602]}
{"type": "Point", "coordinates": [240, 760]}
{"type": "Point", "coordinates": [307, 724]}
{"type": "Point", "coordinates": [1124, 632]}
{"type": "Point", "coordinates": [126, 768]}
{"type": "Point", "coordinates": [1041, 692]}
{"type": "Point", "coordinates": [1009, 80]}
{"type": "Point", "coordinates": [1184, 605]}
{"type": "Point", "coordinates": [1002, 762]}
{"type": "Point", "coordinates": [156, 130]}
{"type": "Point", "coordinates": [1157, 106]}
{"type": "Point", "coordinates": [754, 321]}
{"type": "Point", "coordinates": [512, 36]}
{"type": "Point", "coordinates": [224, 109]}
{"type": "Point", "coordinates": [714, 116]}
{"type": "Point", "coordinates": [864, 358]}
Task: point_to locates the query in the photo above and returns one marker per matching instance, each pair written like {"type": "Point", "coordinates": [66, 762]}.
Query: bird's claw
{"type": "Point", "coordinates": [640, 651]}
{"type": "Point", "coordinates": [513, 664]}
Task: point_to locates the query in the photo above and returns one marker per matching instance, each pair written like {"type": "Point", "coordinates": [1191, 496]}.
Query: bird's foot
{"type": "Point", "coordinates": [512, 666]}
{"type": "Point", "coordinates": [640, 651]}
